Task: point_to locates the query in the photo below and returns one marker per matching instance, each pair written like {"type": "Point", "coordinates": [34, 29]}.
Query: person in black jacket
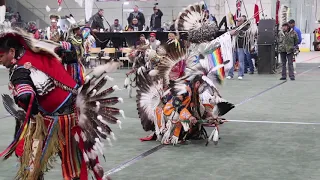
{"type": "Point", "coordinates": [97, 21]}
{"type": "Point", "coordinates": [138, 15]}
{"type": "Point", "coordinates": [155, 22]}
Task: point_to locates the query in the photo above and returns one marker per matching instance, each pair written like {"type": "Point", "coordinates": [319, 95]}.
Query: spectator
{"type": "Point", "coordinates": [292, 25]}
{"type": "Point", "coordinates": [116, 27]}
{"type": "Point", "coordinates": [135, 25]}
{"type": "Point", "coordinates": [248, 64]}
{"type": "Point", "coordinates": [13, 19]}
{"type": "Point", "coordinates": [155, 22]}
{"type": "Point", "coordinates": [210, 17]}
{"type": "Point", "coordinates": [288, 39]}
{"type": "Point", "coordinates": [32, 28]}
{"type": "Point", "coordinates": [97, 21]}
{"type": "Point", "coordinates": [136, 14]}
{"type": "Point", "coordinates": [240, 50]}
{"type": "Point", "coordinates": [154, 43]}
{"type": "Point", "coordinates": [142, 41]}
{"type": "Point", "coordinates": [129, 28]}
{"type": "Point", "coordinates": [18, 17]}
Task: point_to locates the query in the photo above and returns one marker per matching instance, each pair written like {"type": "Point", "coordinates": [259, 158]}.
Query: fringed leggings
{"type": "Point", "coordinates": [57, 139]}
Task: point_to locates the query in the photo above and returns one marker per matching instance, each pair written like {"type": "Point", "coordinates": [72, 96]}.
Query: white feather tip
{"type": "Point", "coordinates": [122, 113]}
{"type": "Point", "coordinates": [48, 8]}
{"type": "Point", "coordinates": [113, 136]}
{"type": "Point", "coordinates": [119, 124]}
{"type": "Point", "coordinates": [120, 100]}
{"type": "Point", "coordinates": [108, 78]}
{"type": "Point", "coordinates": [115, 87]}
{"type": "Point", "coordinates": [153, 72]}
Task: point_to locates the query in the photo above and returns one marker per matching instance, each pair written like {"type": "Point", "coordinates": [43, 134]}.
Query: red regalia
{"type": "Point", "coordinates": [55, 112]}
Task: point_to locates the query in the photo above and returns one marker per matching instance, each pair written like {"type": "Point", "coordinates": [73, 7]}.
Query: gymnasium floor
{"type": "Point", "coordinates": [280, 142]}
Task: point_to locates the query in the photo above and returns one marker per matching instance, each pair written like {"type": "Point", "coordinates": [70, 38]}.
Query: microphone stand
{"type": "Point", "coordinates": [107, 22]}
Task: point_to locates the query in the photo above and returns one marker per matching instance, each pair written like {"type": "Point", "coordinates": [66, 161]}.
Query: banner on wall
{"type": "Point", "coordinates": [305, 45]}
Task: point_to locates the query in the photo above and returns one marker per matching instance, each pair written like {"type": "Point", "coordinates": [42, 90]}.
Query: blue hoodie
{"type": "Point", "coordinates": [297, 30]}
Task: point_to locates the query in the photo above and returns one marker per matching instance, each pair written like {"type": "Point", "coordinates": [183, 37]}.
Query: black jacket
{"type": "Point", "coordinates": [97, 22]}
{"type": "Point", "coordinates": [155, 22]}
{"type": "Point", "coordinates": [139, 16]}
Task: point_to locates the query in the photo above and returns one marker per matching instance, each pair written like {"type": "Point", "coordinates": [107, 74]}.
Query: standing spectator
{"type": "Point", "coordinates": [97, 21]}
{"type": "Point", "coordinates": [155, 22]}
{"type": "Point", "coordinates": [136, 14]}
{"type": "Point", "coordinates": [288, 39]}
{"type": "Point", "coordinates": [154, 43]}
{"type": "Point", "coordinates": [116, 27]}
{"type": "Point", "coordinates": [18, 17]}
{"type": "Point", "coordinates": [240, 49]}
{"type": "Point", "coordinates": [248, 64]}
{"type": "Point", "coordinates": [210, 17]}
{"type": "Point", "coordinates": [292, 25]}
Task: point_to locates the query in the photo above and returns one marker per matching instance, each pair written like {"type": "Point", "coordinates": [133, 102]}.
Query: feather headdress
{"type": "Point", "coordinates": [172, 65]}
{"type": "Point", "coordinates": [194, 20]}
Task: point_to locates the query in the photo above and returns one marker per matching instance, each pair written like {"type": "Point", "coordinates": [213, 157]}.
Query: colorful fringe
{"type": "Point", "coordinates": [45, 138]}
{"type": "Point", "coordinates": [76, 71]}
{"type": "Point", "coordinates": [216, 59]}
{"type": "Point", "coordinates": [70, 154]}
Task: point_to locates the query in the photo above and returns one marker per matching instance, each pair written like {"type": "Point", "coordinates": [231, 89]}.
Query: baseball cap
{"type": "Point", "coordinates": [153, 34]}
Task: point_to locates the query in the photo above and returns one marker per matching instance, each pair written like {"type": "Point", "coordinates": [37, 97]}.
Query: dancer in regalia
{"type": "Point", "coordinates": [58, 116]}
{"type": "Point", "coordinates": [53, 32]}
{"type": "Point", "coordinates": [176, 107]}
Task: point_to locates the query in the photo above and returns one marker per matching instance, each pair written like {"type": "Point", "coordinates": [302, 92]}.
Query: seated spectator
{"type": "Point", "coordinates": [135, 25]}
{"type": "Point", "coordinates": [116, 27]}
{"type": "Point", "coordinates": [154, 43]}
{"type": "Point", "coordinates": [129, 28]}
{"type": "Point", "coordinates": [139, 16]}
{"type": "Point", "coordinates": [142, 41]}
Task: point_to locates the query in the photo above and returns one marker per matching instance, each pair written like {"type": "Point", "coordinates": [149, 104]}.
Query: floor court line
{"type": "Point", "coordinates": [273, 122]}
{"type": "Point", "coordinates": [156, 148]}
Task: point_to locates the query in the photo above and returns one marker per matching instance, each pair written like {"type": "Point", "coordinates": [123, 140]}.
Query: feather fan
{"type": "Point", "coordinates": [194, 20]}
{"type": "Point", "coordinates": [148, 98]}
{"type": "Point", "coordinates": [13, 110]}
{"type": "Point", "coordinates": [95, 103]}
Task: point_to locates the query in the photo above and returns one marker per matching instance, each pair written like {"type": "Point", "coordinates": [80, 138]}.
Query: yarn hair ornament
{"type": "Point", "coordinates": [194, 20]}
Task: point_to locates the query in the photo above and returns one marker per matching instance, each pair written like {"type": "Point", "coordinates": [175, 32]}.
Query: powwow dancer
{"type": "Point", "coordinates": [53, 32]}
{"type": "Point", "coordinates": [177, 114]}
{"type": "Point", "coordinates": [60, 117]}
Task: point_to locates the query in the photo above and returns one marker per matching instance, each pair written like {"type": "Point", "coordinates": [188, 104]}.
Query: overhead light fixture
{"type": "Point", "coordinates": [126, 3]}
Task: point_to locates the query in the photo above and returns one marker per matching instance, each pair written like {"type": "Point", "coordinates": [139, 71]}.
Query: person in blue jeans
{"type": "Point", "coordinates": [248, 62]}
{"type": "Point", "coordinates": [240, 50]}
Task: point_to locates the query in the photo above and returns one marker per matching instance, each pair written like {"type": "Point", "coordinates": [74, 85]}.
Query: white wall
{"type": "Point", "coordinates": [113, 10]}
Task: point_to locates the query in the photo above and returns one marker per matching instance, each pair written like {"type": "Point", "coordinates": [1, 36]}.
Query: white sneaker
{"type": "Point", "coordinates": [229, 77]}
{"type": "Point", "coordinates": [239, 77]}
